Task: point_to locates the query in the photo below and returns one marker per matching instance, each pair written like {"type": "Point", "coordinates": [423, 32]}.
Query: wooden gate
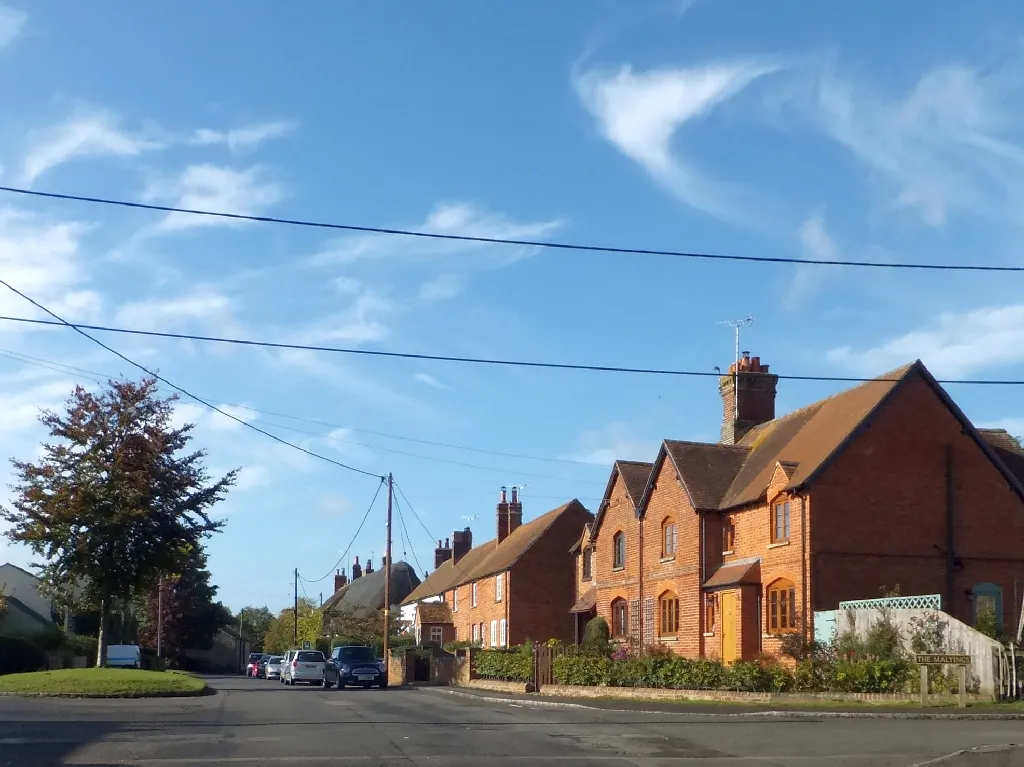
{"type": "Point", "coordinates": [543, 665]}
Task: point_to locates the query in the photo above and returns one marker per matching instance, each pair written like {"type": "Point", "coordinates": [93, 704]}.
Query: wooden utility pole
{"type": "Point", "coordinates": [387, 575]}
{"type": "Point", "coordinates": [295, 623]}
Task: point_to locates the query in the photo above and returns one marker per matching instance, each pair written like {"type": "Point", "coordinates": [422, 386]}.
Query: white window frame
{"type": "Point", "coordinates": [503, 633]}
{"type": "Point", "coordinates": [494, 633]}
{"type": "Point", "coordinates": [437, 634]}
{"type": "Point", "coordinates": [473, 596]}
{"type": "Point", "coordinates": [475, 629]}
{"type": "Point", "coordinates": [455, 600]}
{"type": "Point", "coordinates": [499, 587]}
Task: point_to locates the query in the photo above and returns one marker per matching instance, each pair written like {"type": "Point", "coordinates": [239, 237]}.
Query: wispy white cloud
{"type": "Point", "coordinates": [612, 442]}
{"type": "Point", "coordinates": [641, 114]}
{"type": "Point", "coordinates": [360, 322]}
{"type": "Point", "coordinates": [202, 304]}
{"type": "Point", "coordinates": [946, 145]}
{"type": "Point", "coordinates": [43, 259]}
{"type": "Point", "coordinates": [429, 380]}
{"type": "Point", "coordinates": [346, 285]}
{"type": "Point", "coordinates": [451, 218]}
{"type": "Point", "coordinates": [86, 133]}
{"type": "Point", "coordinates": [19, 409]}
{"type": "Point", "coordinates": [955, 344]}
{"type": "Point", "coordinates": [817, 244]}
{"type": "Point", "coordinates": [206, 419]}
{"type": "Point", "coordinates": [442, 288]}
{"type": "Point", "coordinates": [246, 137]}
{"type": "Point", "coordinates": [12, 21]}
{"type": "Point", "coordinates": [215, 188]}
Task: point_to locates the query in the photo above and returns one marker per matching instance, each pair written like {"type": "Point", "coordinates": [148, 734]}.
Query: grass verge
{"type": "Point", "coordinates": [103, 683]}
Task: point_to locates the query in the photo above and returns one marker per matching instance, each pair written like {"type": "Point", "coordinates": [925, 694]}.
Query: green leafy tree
{"type": "Point", "coordinates": [255, 622]}
{"type": "Point", "coordinates": [191, 617]}
{"type": "Point", "coordinates": [116, 499]}
{"type": "Point", "coordinates": [280, 635]}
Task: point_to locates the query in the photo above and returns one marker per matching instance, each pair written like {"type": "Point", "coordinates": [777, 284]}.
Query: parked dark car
{"type": "Point", "coordinates": [354, 665]}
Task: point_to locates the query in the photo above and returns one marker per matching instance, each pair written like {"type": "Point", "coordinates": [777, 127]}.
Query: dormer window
{"type": "Point", "coordinates": [780, 522]}
{"type": "Point", "coordinates": [619, 551]}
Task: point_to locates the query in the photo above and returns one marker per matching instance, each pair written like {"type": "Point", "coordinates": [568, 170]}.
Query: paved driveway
{"type": "Point", "coordinates": [254, 722]}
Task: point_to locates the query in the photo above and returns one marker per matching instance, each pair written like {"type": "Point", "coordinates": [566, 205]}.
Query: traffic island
{"type": "Point", "coordinates": [103, 683]}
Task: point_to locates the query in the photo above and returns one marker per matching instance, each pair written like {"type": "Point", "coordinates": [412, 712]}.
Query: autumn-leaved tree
{"type": "Point", "coordinates": [116, 499]}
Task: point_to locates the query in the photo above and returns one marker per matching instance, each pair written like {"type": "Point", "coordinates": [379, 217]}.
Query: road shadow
{"type": "Point", "coordinates": [49, 742]}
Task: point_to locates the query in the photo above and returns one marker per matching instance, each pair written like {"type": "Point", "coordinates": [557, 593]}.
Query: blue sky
{"type": "Point", "coordinates": [789, 129]}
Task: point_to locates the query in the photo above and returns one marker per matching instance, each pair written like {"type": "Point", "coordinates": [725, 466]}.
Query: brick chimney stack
{"type": "Point", "coordinates": [442, 553]}
{"type": "Point", "coordinates": [462, 542]}
{"type": "Point", "coordinates": [369, 566]}
{"type": "Point", "coordinates": [748, 397]}
{"type": "Point", "coordinates": [357, 571]}
{"type": "Point", "coordinates": [503, 511]}
{"type": "Point", "coordinates": [340, 579]}
{"type": "Point", "coordinates": [515, 511]}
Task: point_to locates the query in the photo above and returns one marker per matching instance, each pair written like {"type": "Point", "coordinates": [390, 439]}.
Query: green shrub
{"type": "Point", "coordinates": [596, 636]}
{"type": "Point", "coordinates": [48, 639]}
{"type": "Point", "coordinates": [514, 664]}
{"type": "Point", "coordinates": [460, 644]}
{"type": "Point", "coordinates": [852, 674]}
{"type": "Point", "coordinates": [82, 645]}
{"type": "Point", "coordinates": [584, 669]}
{"type": "Point", "coordinates": [19, 655]}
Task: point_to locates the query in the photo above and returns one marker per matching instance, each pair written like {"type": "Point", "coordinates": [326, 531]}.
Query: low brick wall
{"type": "Point", "coordinates": [496, 685]}
{"type": "Point", "coordinates": [730, 696]}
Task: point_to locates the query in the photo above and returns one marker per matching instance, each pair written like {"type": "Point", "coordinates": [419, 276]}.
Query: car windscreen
{"type": "Point", "coordinates": [356, 654]}
{"type": "Point", "coordinates": [311, 656]}
{"type": "Point", "coordinates": [275, 659]}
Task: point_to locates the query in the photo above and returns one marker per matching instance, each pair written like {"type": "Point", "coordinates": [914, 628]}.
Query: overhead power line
{"type": "Point", "coordinates": [101, 378]}
{"type": "Point", "coordinates": [492, 361]}
{"type": "Point", "coordinates": [565, 246]}
{"type": "Point", "coordinates": [351, 543]}
{"type": "Point", "coordinates": [58, 320]}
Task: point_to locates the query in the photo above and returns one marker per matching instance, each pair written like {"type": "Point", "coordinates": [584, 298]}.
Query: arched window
{"type": "Point", "coordinates": [668, 538]}
{"type": "Point", "coordinates": [619, 550]}
{"type": "Point", "coordinates": [620, 618]}
{"type": "Point", "coordinates": [728, 535]}
{"type": "Point", "coordinates": [781, 598]}
{"type": "Point", "coordinates": [988, 606]}
{"type": "Point", "coordinates": [668, 605]}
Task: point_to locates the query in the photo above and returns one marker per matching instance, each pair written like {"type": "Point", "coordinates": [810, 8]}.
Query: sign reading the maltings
{"type": "Point", "coordinates": [931, 659]}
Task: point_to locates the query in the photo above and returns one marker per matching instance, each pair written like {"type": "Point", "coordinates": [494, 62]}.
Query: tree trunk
{"type": "Point", "coordinates": [101, 643]}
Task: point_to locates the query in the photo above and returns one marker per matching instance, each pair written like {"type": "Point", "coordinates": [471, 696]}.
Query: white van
{"type": "Point", "coordinates": [124, 656]}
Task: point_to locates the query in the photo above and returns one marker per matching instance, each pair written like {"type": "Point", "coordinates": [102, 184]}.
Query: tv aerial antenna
{"type": "Point", "coordinates": [736, 325]}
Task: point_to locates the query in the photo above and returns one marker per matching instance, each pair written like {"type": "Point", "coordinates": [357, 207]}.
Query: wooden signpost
{"type": "Point", "coordinates": [924, 660]}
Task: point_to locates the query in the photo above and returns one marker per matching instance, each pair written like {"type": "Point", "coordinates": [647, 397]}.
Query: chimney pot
{"type": "Point", "coordinates": [748, 397]}
{"type": "Point", "coordinates": [503, 498]}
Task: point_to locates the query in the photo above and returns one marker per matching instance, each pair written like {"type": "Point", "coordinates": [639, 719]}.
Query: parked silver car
{"type": "Point", "coordinates": [273, 668]}
{"type": "Point", "coordinates": [306, 666]}
{"type": "Point", "coordinates": [286, 665]}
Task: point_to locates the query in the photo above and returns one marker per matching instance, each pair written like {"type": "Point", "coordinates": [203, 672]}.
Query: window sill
{"type": "Point", "coordinates": [672, 558]}
{"type": "Point", "coordinates": [709, 633]}
{"type": "Point", "coordinates": [778, 544]}
{"type": "Point", "coordinates": [668, 639]}
{"type": "Point", "coordinates": [728, 553]}
{"type": "Point", "coordinates": [618, 569]}
{"type": "Point", "coordinates": [778, 634]}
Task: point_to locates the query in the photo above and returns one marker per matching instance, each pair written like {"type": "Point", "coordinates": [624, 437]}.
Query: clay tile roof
{"type": "Point", "coordinates": [1007, 450]}
{"type": "Point", "coordinates": [807, 437]}
{"type": "Point", "coordinates": [434, 612]}
{"type": "Point", "coordinates": [491, 558]}
{"type": "Point", "coordinates": [634, 475]}
{"type": "Point", "coordinates": [736, 573]}
{"type": "Point", "coordinates": [586, 602]}
{"type": "Point", "coordinates": [707, 470]}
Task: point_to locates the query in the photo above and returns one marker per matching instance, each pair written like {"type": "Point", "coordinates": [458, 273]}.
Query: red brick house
{"type": "Point", "coordinates": [517, 586]}
{"type": "Point", "coordinates": [735, 544]}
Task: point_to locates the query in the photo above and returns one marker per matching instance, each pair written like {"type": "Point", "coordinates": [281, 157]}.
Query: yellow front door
{"type": "Point", "coordinates": [728, 626]}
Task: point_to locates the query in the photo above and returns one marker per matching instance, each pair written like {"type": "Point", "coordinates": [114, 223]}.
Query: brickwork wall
{"type": "Point", "coordinates": [543, 584]}
{"type": "Point", "coordinates": [620, 515]}
{"type": "Point", "coordinates": [880, 508]}
{"type": "Point", "coordinates": [487, 608]}
{"type": "Point", "coordinates": [678, 573]}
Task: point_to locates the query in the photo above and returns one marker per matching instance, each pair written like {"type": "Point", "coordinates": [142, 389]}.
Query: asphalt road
{"type": "Point", "coordinates": [253, 722]}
